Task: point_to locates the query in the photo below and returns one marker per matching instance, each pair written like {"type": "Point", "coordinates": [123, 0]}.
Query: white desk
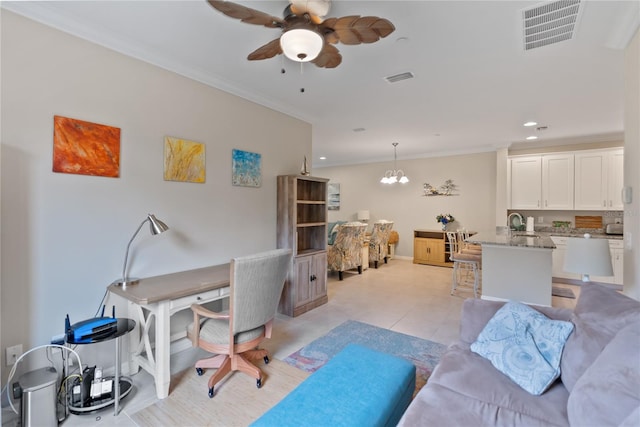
{"type": "Point", "coordinates": [155, 300]}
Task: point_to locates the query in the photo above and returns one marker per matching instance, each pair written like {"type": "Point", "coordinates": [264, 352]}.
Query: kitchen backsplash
{"type": "Point", "coordinates": [545, 219]}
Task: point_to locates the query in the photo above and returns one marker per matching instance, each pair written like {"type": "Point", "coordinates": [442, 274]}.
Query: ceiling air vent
{"type": "Point", "coordinates": [399, 77]}
{"type": "Point", "coordinates": [550, 23]}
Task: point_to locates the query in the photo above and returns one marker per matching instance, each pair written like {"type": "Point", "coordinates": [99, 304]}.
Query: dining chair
{"type": "Point", "coordinates": [379, 242]}
{"type": "Point", "coordinates": [256, 284]}
{"type": "Point", "coordinates": [346, 251]}
{"type": "Point", "coordinates": [467, 263]}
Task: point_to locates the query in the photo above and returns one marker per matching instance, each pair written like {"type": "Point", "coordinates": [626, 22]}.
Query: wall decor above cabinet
{"type": "Point", "coordinates": [446, 189]}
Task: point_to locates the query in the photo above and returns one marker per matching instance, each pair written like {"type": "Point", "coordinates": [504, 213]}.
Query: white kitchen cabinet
{"type": "Point", "coordinates": [542, 182]}
{"type": "Point", "coordinates": [616, 179]}
{"type": "Point", "coordinates": [557, 181]}
{"type": "Point", "coordinates": [526, 179]}
{"type": "Point", "coordinates": [599, 179]}
{"type": "Point", "coordinates": [558, 255]}
{"type": "Point", "coordinates": [617, 249]}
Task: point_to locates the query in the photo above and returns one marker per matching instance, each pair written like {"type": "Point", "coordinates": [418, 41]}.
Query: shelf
{"type": "Point", "coordinates": [312, 224]}
{"type": "Point", "coordinates": [307, 252]}
{"type": "Point", "coordinates": [311, 202]}
{"type": "Point", "coordinates": [97, 404]}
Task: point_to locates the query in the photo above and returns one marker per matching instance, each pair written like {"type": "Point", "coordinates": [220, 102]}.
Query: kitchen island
{"type": "Point", "coordinates": [515, 267]}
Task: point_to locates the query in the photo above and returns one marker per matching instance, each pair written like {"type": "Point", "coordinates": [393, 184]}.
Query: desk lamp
{"type": "Point", "coordinates": [588, 256]}
{"type": "Point", "coordinates": [157, 227]}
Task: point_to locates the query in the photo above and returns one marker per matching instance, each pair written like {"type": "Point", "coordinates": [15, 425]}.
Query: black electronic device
{"type": "Point", "coordinates": [87, 379]}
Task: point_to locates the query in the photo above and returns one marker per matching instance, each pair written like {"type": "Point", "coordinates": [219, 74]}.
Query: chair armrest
{"type": "Point", "coordinates": [199, 310]}
{"type": "Point", "coordinates": [477, 313]}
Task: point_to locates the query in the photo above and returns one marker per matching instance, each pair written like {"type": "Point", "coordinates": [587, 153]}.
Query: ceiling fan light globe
{"type": "Point", "coordinates": [314, 7]}
{"type": "Point", "coordinates": [404, 180]}
{"type": "Point", "coordinates": [301, 45]}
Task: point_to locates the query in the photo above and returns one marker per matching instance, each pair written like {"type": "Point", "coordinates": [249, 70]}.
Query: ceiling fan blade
{"type": "Point", "coordinates": [267, 51]}
{"type": "Point", "coordinates": [246, 14]}
{"type": "Point", "coordinates": [329, 57]}
{"type": "Point", "coordinates": [352, 30]}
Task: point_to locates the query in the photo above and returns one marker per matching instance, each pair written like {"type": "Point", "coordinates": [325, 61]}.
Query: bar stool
{"type": "Point", "coordinates": [469, 262]}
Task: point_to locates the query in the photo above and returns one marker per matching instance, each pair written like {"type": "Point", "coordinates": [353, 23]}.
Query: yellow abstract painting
{"type": "Point", "coordinates": [184, 160]}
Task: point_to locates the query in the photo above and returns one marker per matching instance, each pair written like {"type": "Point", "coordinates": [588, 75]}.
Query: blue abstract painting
{"type": "Point", "coordinates": [246, 169]}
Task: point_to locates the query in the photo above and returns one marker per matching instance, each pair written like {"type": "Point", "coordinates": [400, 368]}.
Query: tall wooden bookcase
{"type": "Point", "coordinates": [302, 227]}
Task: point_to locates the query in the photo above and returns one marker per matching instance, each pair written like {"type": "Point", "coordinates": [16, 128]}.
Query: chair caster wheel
{"type": "Point", "coordinates": [259, 382]}
{"type": "Point", "coordinates": [199, 371]}
{"type": "Point", "coordinates": [266, 360]}
{"type": "Point", "coordinates": [210, 392]}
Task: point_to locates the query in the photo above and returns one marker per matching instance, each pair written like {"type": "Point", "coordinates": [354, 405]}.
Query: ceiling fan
{"type": "Point", "coordinates": [306, 37]}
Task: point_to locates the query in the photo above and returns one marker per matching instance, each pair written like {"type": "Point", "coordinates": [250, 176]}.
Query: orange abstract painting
{"type": "Point", "coordinates": [85, 148]}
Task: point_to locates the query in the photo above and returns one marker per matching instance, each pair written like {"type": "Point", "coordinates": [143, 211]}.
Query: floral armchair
{"type": "Point", "coordinates": [346, 251]}
{"type": "Point", "coordinates": [379, 242]}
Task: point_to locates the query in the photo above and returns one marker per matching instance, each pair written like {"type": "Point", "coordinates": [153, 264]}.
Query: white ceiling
{"type": "Point", "coordinates": [473, 89]}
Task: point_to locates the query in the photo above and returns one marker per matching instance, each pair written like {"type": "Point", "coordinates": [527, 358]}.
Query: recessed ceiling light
{"type": "Point", "coordinates": [530, 124]}
{"type": "Point", "coordinates": [532, 137]}
{"type": "Point", "coordinates": [323, 158]}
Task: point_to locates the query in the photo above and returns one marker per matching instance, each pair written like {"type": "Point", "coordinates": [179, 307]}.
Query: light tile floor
{"type": "Point", "coordinates": [400, 296]}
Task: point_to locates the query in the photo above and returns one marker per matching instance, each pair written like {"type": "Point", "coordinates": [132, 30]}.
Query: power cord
{"type": "Point", "coordinates": [104, 297]}
{"type": "Point", "coordinates": [15, 365]}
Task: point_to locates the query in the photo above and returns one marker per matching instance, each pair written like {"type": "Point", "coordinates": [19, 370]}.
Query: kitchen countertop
{"type": "Point", "coordinates": [596, 233]}
{"type": "Point", "coordinates": [536, 241]}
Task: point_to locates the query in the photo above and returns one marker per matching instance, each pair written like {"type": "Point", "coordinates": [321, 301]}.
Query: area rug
{"type": "Point", "coordinates": [424, 354]}
{"type": "Point", "coordinates": [562, 292]}
{"type": "Point", "coordinates": [237, 402]}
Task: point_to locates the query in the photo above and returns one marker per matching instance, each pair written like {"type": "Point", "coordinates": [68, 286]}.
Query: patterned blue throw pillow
{"type": "Point", "coordinates": [525, 345]}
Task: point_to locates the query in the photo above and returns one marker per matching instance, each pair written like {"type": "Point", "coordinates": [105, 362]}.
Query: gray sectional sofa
{"type": "Point", "coordinates": [599, 383]}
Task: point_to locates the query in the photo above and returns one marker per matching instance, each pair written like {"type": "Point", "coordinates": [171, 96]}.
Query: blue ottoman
{"type": "Point", "coordinates": [358, 387]}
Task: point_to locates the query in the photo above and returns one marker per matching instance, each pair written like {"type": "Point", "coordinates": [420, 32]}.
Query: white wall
{"type": "Point", "coordinates": [631, 171]}
{"type": "Point", "coordinates": [64, 236]}
{"type": "Point", "coordinates": [473, 207]}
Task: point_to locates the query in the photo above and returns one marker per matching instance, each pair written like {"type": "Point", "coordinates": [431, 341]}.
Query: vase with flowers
{"type": "Point", "coordinates": [445, 219]}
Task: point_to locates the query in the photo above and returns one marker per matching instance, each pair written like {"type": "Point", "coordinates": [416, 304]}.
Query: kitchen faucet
{"type": "Point", "coordinates": [511, 215]}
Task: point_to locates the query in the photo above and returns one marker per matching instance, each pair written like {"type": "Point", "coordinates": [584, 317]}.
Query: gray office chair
{"type": "Point", "coordinates": [256, 286]}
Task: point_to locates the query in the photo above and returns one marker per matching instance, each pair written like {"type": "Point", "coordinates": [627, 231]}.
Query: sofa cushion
{"type": "Point", "coordinates": [525, 345]}
{"type": "Point", "coordinates": [476, 313]}
{"type": "Point", "coordinates": [609, 390]}
{"type": "Point", "coordinates": [599, 315]}
{"type": "Point", "coordinates": [489, 396]}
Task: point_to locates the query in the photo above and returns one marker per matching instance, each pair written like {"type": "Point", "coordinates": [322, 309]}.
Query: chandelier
{"type": "Point", "coordinates": [395, 175]}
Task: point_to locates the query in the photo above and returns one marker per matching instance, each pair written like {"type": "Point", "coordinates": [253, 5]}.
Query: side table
{"type": "Point", "coordinates": [124, 326]}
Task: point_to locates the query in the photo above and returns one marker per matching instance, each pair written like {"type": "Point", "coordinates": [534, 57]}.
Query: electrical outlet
{"type": "Point", "coordinates": [13, 353]}
{"type": "Point", "coordinates": [540, 219]}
